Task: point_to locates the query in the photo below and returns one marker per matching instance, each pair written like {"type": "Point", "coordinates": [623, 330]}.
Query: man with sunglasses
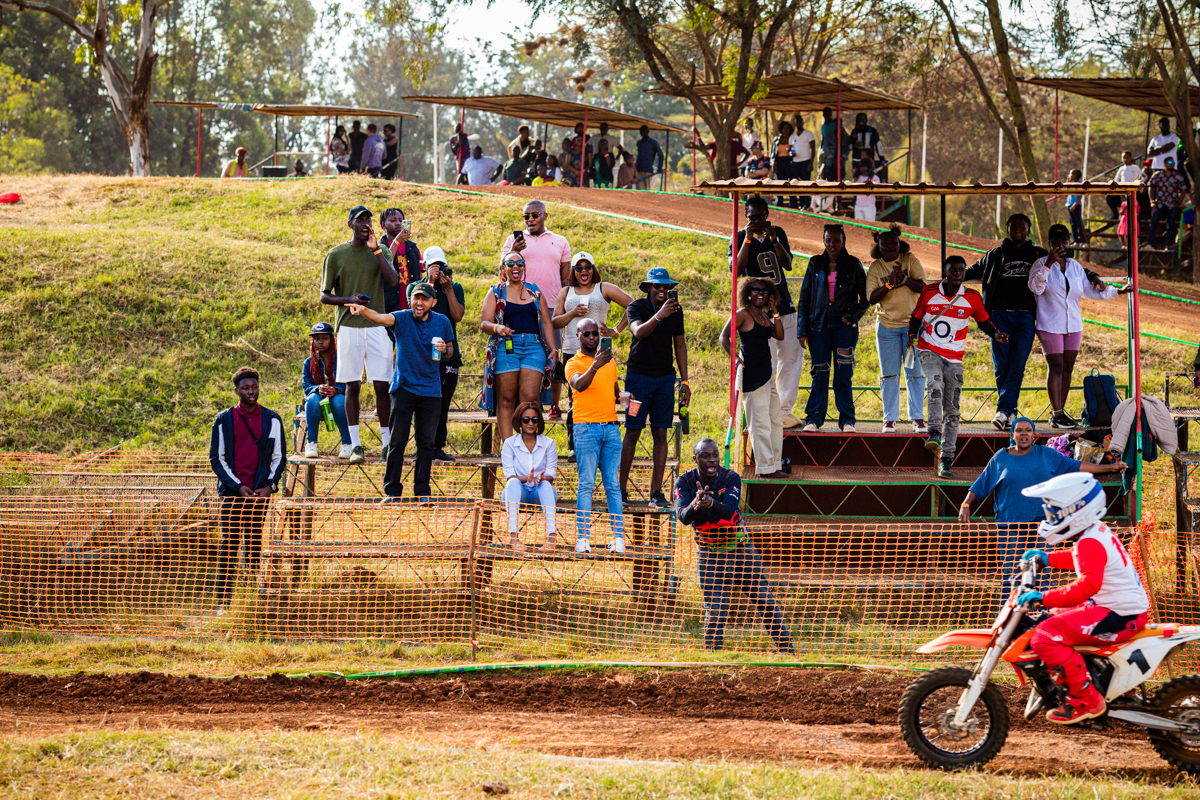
{"type": "Point", "coordinates": [763, 252]}
{"type": "Point", "coordinates": [593, 377]}
{"type": "Point", "coordinates": [547, 265]}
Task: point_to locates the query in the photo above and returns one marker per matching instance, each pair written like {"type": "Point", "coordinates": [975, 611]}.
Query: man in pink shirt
{"type": "Point", "coordinates": [547, 265]}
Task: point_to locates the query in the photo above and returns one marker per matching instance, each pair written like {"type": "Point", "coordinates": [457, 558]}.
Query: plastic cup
{"type": "Point", "coordinates": [623, 398]}
{"type": "Point", "coordinates": [634, 407]}
{"type": "Point", "coordinates": [585, 300]}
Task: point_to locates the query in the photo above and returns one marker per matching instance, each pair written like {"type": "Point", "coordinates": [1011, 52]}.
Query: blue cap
{"type": "Point", "coordinates": [321, 327]}
{"type": "Point", "coordinates": [657, 275]}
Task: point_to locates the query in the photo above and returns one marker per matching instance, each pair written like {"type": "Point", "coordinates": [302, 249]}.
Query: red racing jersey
{"type": "Point", "coordinates": [1106, 575]}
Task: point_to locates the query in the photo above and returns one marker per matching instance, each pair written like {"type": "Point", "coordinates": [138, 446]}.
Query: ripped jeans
{"type": "Point", "coordinates": [834, 343]}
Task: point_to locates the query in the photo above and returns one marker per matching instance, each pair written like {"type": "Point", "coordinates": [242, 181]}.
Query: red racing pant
{"type": "Point", "coordinates": [1054, 639]}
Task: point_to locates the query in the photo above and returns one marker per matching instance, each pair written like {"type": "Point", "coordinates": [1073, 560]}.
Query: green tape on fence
{"type": "Point", "coordinates": [1144, 333]}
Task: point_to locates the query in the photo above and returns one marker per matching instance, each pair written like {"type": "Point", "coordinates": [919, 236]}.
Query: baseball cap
{"type": "Point", "coordinates": [433, 254]}
{"type": "Point", "coordinates": [357, 212]}
{"type": "Point", "coordinates": [757, 145]}
{"type": "Point", "coordinates": [425, 289]}
{"type": "Point", "coordinates": [583, 255]}
{"type": "Point", "coordinates": [240, 150]}
{"type": "Point", "coordinates": [321, 327]}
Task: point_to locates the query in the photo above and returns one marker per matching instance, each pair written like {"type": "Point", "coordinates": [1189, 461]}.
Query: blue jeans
{"type": "Point", "coordinates": [822, 348]}
{"type": "Point", "coordinates": [740, 567]}
{"type": "Point", "coordinates": [1076, 215]}
{"type": "Point", "coordinates": [1009, 359]}
{"type": "Point", "coordinates": [892, 343]}
{"type": "Point", "coordinates": [1012, 540]}
{"type": "Point", "coordinates": [312, 416]}
{"type": "Point", "coordinates": [1168, 215]}
{"type": "Point", "coordinates": [598, 444]}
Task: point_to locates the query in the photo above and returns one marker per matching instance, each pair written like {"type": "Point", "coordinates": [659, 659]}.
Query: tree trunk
{"type": "Point", "coordinates": [1016, 106]}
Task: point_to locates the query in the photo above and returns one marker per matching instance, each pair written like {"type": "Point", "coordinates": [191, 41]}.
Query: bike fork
{"type": "Point", "coordinates": [983, 673]}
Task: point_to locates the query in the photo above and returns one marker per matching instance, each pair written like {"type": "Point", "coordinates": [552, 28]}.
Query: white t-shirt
{"type": "Point", "coordinates": [864, 199]}
{"type": "Point", "coordinates": [479, 170]}
{"type": "Point", "coordinates": [1129, 174]}
{"type": "Point", "coordinates": [748, 138]}
{"type": "Point", "coordinates": [804, 143]}
{"type": "Point", "coordinates": [1159, 141]}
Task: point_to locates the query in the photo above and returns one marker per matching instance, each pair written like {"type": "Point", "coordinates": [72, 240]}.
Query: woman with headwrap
{"type": "Point", "coordinates": [1020, 465]}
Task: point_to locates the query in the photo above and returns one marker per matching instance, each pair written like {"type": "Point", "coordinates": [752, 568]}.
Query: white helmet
{"type": "Point", "coordinates": [1073, 503]}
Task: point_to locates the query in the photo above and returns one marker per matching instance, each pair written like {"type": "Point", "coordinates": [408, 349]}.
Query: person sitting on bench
{"type": "Point", "coordinates": [530, 462]}
{"type": "Point", "coordinates": [316, 377]}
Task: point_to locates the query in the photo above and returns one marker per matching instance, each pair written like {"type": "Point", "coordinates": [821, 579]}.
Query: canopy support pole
{"type": "Point", "coordinates": [1146, 140]}
{"type": "Point", "coordinates": [583, 152]}
{"type": "Point", "coordinates": [328, 143]}
{"type": "Point", "coordinates": [462, 131]}
{"type": "Point", "coordinates": [908, 157]}
{"type": "Point", "coordinates": [199, 137]}
{"type": "Point", "coordinates": [695, 141]}
{"type": "Point", "coordinates": [943, 198]}
{"type": "Point", "coordinates": [400, 149]}
{"type": "Point", "coordinates": [999, 176]}
{"type": "Point", "coordinates": [1135, 364]}
{"type": "Point", "coordinates": [1056, 135]}
{"type": "Point", "coordinates": [1087, 140]}
{"type": "Point", "coordinates": [666, 161]}
{"type": "Point", "coordinates": [275, 155]}
{"type": "Point", "coordinates": [924, 153]}
{"type": "Point", "coordinates": [838, 134]}
{"type": "Point", "coordinates": [733, 331]}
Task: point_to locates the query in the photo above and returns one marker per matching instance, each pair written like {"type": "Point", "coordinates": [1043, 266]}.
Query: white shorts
{"type": "Point", "coordinates": [364, 347]}
{"type": "Point", "coordinates": [860, 212]}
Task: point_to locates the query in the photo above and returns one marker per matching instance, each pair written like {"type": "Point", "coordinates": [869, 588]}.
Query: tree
{"type": "Point", "coordinates": [684, 43]}
{"type": "Point", "coordinates": [129, 96]}
{"type": "Point", "coordinates": [1017, 133]}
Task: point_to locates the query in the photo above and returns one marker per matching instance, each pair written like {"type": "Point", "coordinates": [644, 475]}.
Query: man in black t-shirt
{"type": "Point", "coordinates": [357, 139]}
{"type": "Point", "coordinates": [1012, 308]}
{"type": "Point", "coordinates": [765, 253]}
{"type": "Point", "coordinates": [656, 321]}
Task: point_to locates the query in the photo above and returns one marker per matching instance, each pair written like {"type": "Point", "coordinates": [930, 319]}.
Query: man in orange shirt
{"type": "Point", "coordinates": [592, 374]}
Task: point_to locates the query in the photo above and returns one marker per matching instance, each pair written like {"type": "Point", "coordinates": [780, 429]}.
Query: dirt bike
{"type": "Point", "coordinates": [954, 718]}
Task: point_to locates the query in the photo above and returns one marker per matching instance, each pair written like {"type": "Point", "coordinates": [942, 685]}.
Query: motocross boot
{"type": "Point", "coordinates": [1083, 701]}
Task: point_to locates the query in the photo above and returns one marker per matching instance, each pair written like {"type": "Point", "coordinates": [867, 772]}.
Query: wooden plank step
{"type": "Point", "coordinates": [276, 548]}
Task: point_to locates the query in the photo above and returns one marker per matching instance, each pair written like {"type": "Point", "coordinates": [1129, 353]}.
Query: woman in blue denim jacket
{"type": "Point", "coordinates": [833, 298]}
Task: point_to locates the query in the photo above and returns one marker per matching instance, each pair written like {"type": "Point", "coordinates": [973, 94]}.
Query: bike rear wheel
{"type": "Point", "coordinates": [1179, 700]}
{"type": "Point", "coordinates": [927, 714]}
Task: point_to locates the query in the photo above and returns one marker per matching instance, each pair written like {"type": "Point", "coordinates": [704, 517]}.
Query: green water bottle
{"type": "Point", "coordinates": [327, 413]}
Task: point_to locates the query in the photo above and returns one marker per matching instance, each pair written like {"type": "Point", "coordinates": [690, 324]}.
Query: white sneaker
{"type": "Point", "coordinates": [616, 546]}
{"type": "Point", "coordinates": [582, 546]}
{"type": "Point", "coordinates": [848, 429]}
{"type": "Point", "coordinates": [1000, 421]}
{"type": "Point", "coordinates": [889, 426]}
{"type": "Point", "coordinates": [345, 451]}
{"type": "Point", "coordinates": [790, 420]}
{"type": "Point", "coordinates": [311, 450]}
{"type": "Point", "coordinates": [810, 427]}
{"type": "Point", "coordinates": [919, 426]}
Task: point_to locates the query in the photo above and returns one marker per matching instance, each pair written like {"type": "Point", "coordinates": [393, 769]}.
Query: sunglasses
{"type": "Point", "coordinates": [533, 215]}
{"type": "Point", "coordinates": [759, 290]}
{"type": "Point", "coordinates": [511, 264]}
{"type": "Point", "coordinates": [588, 334]}
{"type": "Point", "coordinates": [583, 267]}
{"type": "Point", "coordinates": [527, 420]}
{"type": "Point", "coordinates": [756, 217]}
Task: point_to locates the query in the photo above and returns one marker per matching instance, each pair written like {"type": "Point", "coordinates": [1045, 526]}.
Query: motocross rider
{"type": "Point", "coordinates": [1106, 604]}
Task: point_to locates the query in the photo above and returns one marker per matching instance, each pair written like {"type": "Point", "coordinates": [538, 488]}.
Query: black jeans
{"type": "Point", "coordinates": [241, 521]}
{"type": "Point", "coordinates": [803, 171]}
{"type": "Point", "coordinates": [1167, 215]}
{"type": "Point", "coordinates": [406, 406]}
{"type": "Point", "coordinates": [449, 385]}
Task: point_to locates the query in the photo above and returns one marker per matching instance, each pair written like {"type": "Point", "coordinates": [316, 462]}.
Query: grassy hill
{"type": "Point", "coordinates": [128, 304]}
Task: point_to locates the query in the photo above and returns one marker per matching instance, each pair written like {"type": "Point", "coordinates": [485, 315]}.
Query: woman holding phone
{"type": "Point", "coordinates": [758, 323]}
{"type": "Point", "coordinates": [586, 296]}
{"type": "Point", "coordinates": [1059, 283]}
{"type": "Point", "coordinates": [518, 364]}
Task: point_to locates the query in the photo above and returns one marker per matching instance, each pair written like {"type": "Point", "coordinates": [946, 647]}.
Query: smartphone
{"type": "Point", "coordinates": [366, 298]}
{"type": "Point", "coordinates": [605, 344]}
{"type": "Point", "coordinates": [672, 294]}
{"type": "Point", "coordinates": [406, 226]}
{"type": "Point", "coordinates": [518, 235]}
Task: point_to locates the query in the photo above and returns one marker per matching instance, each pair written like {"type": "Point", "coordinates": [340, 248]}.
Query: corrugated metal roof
{"type": "Point", "coordinates": [535, 108]}
{"type": "Point", "coordinates": [286, 110]}
{"type": "Point", "coordinates": [803, 91]}
{"type": "Point", "coordinates": [1140, 94]}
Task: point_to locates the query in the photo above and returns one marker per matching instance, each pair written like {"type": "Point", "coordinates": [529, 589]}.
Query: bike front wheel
{"type": "Point", "coordinates": [927, 721]}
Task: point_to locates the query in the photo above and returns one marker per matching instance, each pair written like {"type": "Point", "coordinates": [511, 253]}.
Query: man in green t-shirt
{"type": "Point", "coordinates": [355, 272]}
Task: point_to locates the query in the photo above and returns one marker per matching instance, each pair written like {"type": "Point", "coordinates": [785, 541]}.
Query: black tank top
{"type": "Point", "coordinates": [756, 356]}
{"type": "Point", "coordinates": [521, 317]}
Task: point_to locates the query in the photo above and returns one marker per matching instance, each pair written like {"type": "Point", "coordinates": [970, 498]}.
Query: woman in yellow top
{"type": "Point", "coordinates": [894, 282]}
{"type": "Point", "coordinates": [237, 168]}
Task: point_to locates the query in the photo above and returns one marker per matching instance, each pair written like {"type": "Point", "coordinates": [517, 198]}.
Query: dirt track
{"type": "Point", "coordinates": [805, 232]}
{"type": "Point", "coordinates": [783, 715]}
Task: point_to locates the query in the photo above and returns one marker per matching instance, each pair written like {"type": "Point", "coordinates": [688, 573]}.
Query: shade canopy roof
{"type": "Point", "coordinates": [1141, 94]}
{"type": "Point", "coordinates": [778, 187]}
{"type": "Point", "coordinates": [803, 91]}
{"type": "Point", "coordinates": [535, 108]}
{"type": "Point", "coordinates": [285, 110]}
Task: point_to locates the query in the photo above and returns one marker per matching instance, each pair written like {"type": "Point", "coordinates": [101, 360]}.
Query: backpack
{"type": "Point", "coordinates": [1099, 400]}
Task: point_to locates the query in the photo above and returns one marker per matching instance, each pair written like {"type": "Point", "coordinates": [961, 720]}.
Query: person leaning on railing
{"type": "Point", "coordinates": [1011, 470]}
{"type": "Point", "coordinates": [707, 498]}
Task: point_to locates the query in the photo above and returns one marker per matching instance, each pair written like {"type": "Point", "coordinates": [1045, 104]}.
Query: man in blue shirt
{"type": "Point", "coordinates": [649, 158]}
{"type": "Point", "coordinates": [373, 152]}
{"type": "Point", "coordinates": [416, 388]}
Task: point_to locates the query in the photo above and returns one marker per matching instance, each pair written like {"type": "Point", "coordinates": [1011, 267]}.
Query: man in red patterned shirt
{"type": "Point", "coordinates": [939, 328]}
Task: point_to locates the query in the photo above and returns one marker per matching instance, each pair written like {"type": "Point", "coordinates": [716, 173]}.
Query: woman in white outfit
{"type": "Point", "coordinates": [530, 462]}
{"type": "Point", "coordinates": [1059, 284]}
{"type": "Point", "coordinates": [585, 296]}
